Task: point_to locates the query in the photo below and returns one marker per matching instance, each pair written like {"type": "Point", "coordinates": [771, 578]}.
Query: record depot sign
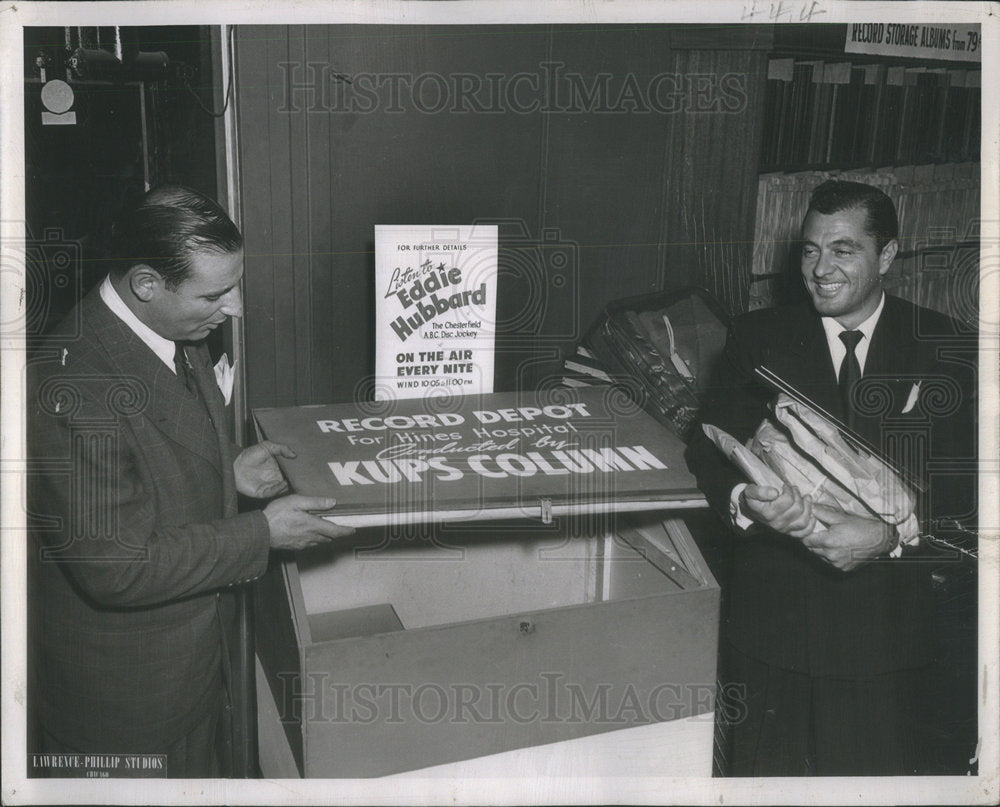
{"type": "Point", "coordinates": [488, 451]}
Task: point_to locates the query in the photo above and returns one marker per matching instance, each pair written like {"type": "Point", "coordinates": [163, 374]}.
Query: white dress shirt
{"type": "Point", "coordinates": [833, 330]}
{"type": "Point", "coordinates": [163, 348]}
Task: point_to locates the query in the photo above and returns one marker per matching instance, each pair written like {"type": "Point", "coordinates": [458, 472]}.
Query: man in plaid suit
{"type": "Point", "coordinates": [137, 538]}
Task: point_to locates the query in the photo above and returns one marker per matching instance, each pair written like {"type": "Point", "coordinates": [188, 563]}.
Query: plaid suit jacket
{"type": "Point", "coordinates": [136, 537]}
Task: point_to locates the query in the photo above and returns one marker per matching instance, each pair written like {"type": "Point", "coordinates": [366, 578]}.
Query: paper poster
{"type": "Point", "coordinates": [435, 304]}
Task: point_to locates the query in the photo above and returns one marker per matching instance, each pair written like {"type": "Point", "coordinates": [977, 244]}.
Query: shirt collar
{"type": "Point", "coordinates": [834, 329]}
{"type": "Point", "coordinates": [163, 348]}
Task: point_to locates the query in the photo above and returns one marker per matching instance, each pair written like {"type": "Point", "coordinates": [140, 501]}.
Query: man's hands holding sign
{"type": "Point", "coordinates": [845, 506]}
{"type": "Point", "coordinates": [291, 519]}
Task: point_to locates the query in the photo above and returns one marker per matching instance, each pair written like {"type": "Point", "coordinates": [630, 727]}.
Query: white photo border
{"type": "Point", "coordinates": [17, 789]}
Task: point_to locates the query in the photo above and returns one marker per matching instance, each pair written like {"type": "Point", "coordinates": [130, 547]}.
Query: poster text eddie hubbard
{"type": "Point", "coordinates": [423, 295]}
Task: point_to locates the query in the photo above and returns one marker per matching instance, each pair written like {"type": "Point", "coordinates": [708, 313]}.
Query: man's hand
{"type": "Point", "coordinates": [257, 471]}
{"type": "Point", "coordinates": [849, 541]}
{"type": "Point", "coordinates": [294, 527]}
{"type": "Point", "coordinates": [785, 511]}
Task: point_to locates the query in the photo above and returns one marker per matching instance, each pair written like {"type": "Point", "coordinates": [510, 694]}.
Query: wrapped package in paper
{"type": "Point", "coordinates": [795, 467]}
{"type": "Point", "coordinates": [810, 454]}
{"type": "Point", "coordinates": [868, 480]}
{"type": "Point", "coordinates": [756, 470]}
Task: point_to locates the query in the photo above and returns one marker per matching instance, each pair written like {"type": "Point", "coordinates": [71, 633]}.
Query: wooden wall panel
{"type": "Point", "coordinates": [284, 230]}
{"type": "Point", "coordinates": [593, 203]}
{"type": "Point", "coordinates": [420, 166]}
{"type": "Point", "coordinates": [301, 326]}
{"type": "Point", "coordinates": [319, 216]}
{"type": "Point", "coordinates": [254, 119]}
{"type": "Point", "coordinates": [712, 167]}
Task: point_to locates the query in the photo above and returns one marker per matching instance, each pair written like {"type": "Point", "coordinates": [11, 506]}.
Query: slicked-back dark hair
{"type": "Point", "coordinates": [166, 227]}
{"type": "Point", "coordinates": [836, 195]}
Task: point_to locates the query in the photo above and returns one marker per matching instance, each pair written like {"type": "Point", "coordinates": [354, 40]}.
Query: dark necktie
{"type": "Point", "coordinates": [184, 372]}
{"type": "Point", "coordinates": [850, 372]}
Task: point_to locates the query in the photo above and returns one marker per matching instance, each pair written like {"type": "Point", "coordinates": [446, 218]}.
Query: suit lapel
{"type": "Point", "coordinates": [891, 352]}
{"type": "Point", "coordinates": [204, 376]}
{"type": "Point", "coordinates": [889, 377]}
{"type": "Point", "coordinates": [804, 361]}
{"type": "Point", "coordinates": [171, 407]}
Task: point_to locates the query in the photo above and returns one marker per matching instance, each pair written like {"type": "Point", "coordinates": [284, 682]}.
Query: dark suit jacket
{"type": "Point", "coordinates": [133, 514]}
{"type": "Point", "coordinates": [787, 607]}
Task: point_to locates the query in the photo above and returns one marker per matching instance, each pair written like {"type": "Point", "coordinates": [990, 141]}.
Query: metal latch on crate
{"type": "Point", "coordinates": [546, 505]}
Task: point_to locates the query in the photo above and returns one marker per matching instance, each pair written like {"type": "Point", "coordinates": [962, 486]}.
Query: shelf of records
{"type": "Point", "coordinates": [822, 113]}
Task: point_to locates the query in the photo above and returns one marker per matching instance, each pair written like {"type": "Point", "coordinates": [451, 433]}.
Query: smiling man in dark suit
{"type": "Point", "coordinates": [138, 541]}
{"type": "Point", "coordinates": [830, 636]}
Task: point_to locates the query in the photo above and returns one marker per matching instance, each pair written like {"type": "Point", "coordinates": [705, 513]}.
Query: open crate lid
{"type": "Point", "coordinates": [503, 455]}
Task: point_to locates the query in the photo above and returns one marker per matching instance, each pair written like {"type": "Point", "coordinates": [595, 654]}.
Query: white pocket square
{"type": "Point", "coordinates": [911, 400]}
{"type": "Point", "coordinates": [224, 377]}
